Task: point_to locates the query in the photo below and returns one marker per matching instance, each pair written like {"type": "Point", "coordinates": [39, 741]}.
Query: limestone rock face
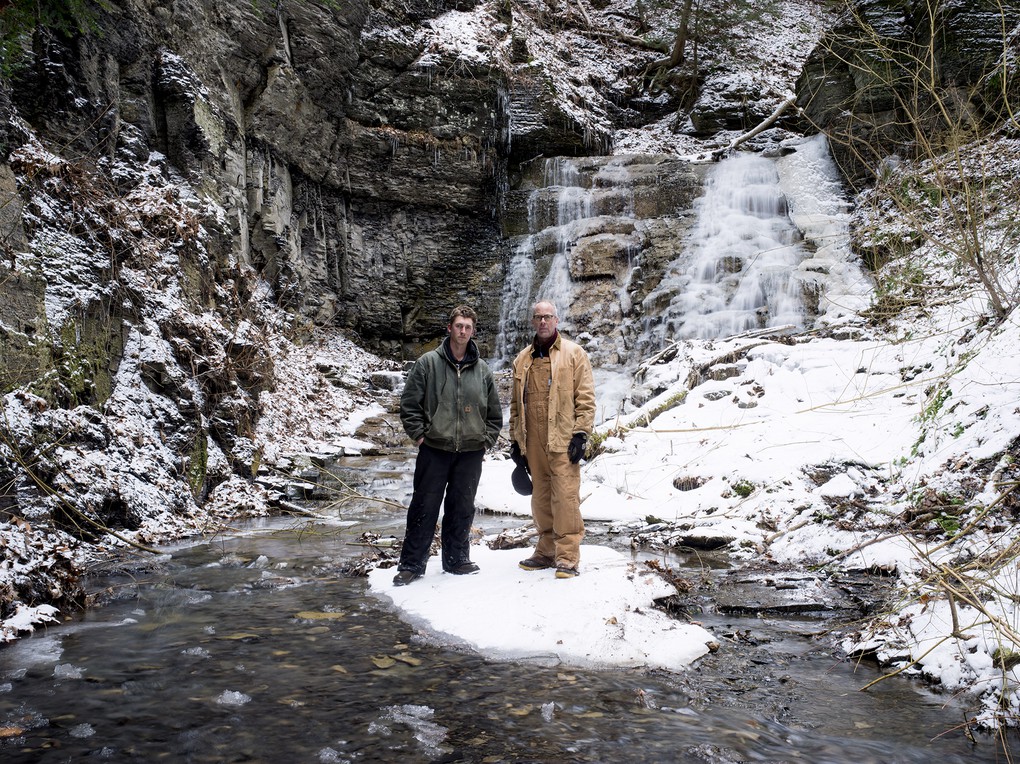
{"type": "Point", "coordinates": [594, 235]}
{"type": "Point", "coordinates": [868, 95]}
{"type": "Point", "coordinates": [25, 358]}
{"type": "Point", "coordinates": [540, 126]}
{"type": "Point", "coordinates": [342, 156]}
{"type": "Point", "coordinates": [729, 103]}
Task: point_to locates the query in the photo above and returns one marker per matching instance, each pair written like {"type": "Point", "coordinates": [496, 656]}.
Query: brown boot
{"type": "Point", "coordinates": [537, 562]}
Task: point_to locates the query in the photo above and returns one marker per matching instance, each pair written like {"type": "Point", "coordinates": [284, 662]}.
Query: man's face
{"type": "Point", "coordinates": [461, 330]}
{"type": "Point", "coordinates": [544, 320]}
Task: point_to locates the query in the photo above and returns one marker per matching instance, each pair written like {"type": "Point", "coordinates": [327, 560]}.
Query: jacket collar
{"type": "Point", "coordinates": [470, 355]}
{"type": "Point", "coordinates": [540, 350]}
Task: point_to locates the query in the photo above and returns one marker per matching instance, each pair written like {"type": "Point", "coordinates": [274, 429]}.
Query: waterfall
{"type": "Point", "coordinates": [556, 208]}
{"type": "Point", "coordinates": [639, 251]}
{"type": "Point", "coordinates": [736, 272]}
{"type": "Point", "coordinates": [515, 303]}
{"type": "Point", "coordinates": [573, 203]}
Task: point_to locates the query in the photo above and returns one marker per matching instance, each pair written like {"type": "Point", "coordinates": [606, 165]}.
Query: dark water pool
{"type": "Point", "coordinates": [253, 647]}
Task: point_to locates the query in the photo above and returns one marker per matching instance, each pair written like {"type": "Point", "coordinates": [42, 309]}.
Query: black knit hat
{"type": "Point", "coordinates": [521, 480]}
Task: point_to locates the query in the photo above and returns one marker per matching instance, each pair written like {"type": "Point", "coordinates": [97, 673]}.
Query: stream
{"type": "Point", "coordinates": [252, 645]}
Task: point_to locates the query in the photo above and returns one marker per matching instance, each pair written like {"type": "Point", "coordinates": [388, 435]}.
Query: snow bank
{"type": "Point", "coordinates": [604, 617]}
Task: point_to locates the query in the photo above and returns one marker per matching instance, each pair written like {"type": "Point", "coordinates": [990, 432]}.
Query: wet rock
{"type": "Point", "coordinates": [387, 380]}
{"type": "Point", "coordinates": [384, 430]}
{"type": "Point", "coordinates": [302, 491]}
{"type": "Point", "coordinates": [602, 256]}
{"type": "Point", "coordinates": [779, 593]}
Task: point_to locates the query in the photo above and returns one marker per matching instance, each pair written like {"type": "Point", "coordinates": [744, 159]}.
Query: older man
{"type": "Point", "coordinates": [451, 410]}
{"type": "Point", "coordinates": [552, 412]}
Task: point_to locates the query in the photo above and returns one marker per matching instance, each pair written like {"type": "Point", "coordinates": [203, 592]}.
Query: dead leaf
{"type": "Point", "coordinates": [319, 615]}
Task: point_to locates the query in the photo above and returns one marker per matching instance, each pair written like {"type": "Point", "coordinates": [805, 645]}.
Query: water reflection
{"type": "Point", "coordinates": [254, 648]}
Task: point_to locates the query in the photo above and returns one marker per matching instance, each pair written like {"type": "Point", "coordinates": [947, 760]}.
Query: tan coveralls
{"type": "Point", "coordinates": [556, 482]}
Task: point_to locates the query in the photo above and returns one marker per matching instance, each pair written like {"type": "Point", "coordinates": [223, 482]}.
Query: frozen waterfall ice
{"type": "Point", "coordinates": [737, 271]}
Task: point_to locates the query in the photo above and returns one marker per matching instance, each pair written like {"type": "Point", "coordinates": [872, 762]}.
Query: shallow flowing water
{"type": "Point", "coordinates": [254, 647]}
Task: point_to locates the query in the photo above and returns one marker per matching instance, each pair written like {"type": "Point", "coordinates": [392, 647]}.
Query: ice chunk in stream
{"type": "Point", "coordinates": [232, 698]}
{"type": "Point", "coordinates": [427, 733]}
{"type": "Point", "coordinates": [67, 671]}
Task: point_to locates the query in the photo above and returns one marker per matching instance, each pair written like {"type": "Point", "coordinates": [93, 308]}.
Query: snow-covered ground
{"type": "Point", "coordinates": [605, 618]}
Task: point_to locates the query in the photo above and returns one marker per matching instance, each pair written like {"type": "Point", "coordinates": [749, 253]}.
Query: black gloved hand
{"type": "Point", "coordinates": [576, 448]}
{"type": "Point", "coordinates": [517, 457]}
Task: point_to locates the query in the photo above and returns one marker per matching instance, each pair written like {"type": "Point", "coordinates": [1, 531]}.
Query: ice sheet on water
{"type": "Point", "coordinates": [427, 733]}
{"type": "Point", "coordinates": [25, 653]}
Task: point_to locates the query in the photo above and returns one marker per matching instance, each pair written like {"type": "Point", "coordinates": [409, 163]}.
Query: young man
{"type": "Point", "coordinates": [451, 410]}
{"type": "Point", "coordinates": [552, 413]}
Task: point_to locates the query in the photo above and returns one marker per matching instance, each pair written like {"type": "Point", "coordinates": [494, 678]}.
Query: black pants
{"type": "Point", "coordinates": [435, 473]}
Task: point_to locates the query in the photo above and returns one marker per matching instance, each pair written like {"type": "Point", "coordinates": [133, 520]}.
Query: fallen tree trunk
{"type": "Point", "coordinates": [764, 125]}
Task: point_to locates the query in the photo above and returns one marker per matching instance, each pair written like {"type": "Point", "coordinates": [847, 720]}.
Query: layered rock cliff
{"type": "Point", "coordinates": [904, 77]}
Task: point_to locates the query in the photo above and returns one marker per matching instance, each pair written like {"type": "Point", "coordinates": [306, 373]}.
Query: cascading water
{"type": "Point", "coordinates": [640, 251]}
{"type": "Point", "coordinates": [736, 272]}
{"type": "Point", "coordinates": [573, 203]}
{"type": "Point", "coordinates": [557, 210]}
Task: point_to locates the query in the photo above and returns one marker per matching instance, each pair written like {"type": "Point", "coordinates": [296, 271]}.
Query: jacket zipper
{"type": "Point", "coordinates": [460, 410]}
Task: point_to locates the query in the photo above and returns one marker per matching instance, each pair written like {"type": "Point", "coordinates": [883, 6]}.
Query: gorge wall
{"type": "Point", "coordinates": [325, 153]}
{"type": "Point", "coordinates": [191, 188]}
{"type": "Point", "coordinates": [897, 76]}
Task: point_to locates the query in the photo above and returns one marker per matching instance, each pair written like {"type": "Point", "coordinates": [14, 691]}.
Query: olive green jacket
{"type": "Point", "coordinates": [453, 409]}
